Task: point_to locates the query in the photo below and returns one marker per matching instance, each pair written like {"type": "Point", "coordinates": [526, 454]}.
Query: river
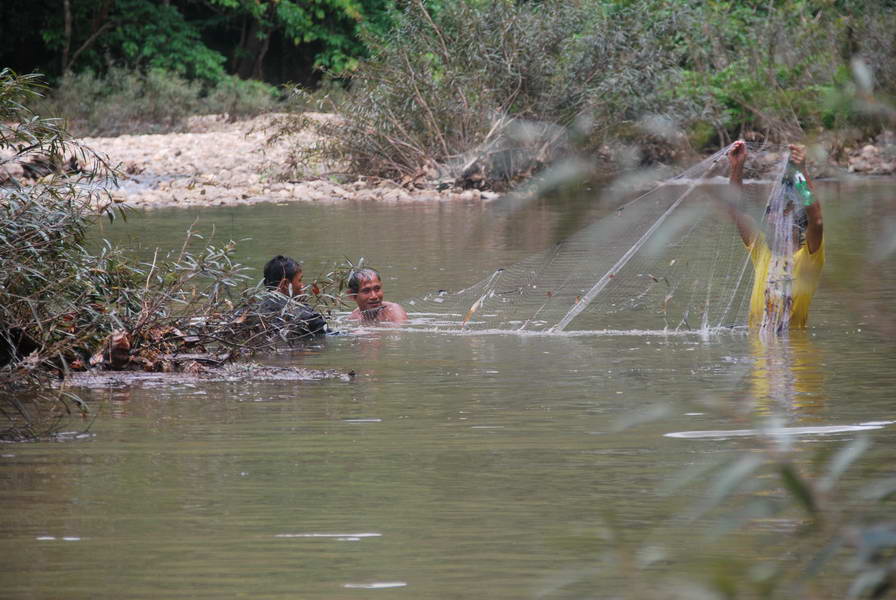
{"type": "Point", "coordinates": [452, 466]}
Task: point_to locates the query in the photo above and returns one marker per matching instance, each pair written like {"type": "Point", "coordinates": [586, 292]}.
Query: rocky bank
{"type": "Point", "coordinates": [217, 162]}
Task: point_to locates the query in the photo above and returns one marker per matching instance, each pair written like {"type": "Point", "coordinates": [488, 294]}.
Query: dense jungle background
{"type": "Point", "coordinates": [713, 70]}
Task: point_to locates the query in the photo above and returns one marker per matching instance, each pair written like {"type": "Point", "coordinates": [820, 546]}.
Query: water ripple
{"type": "Point", "coordinates": [819, 430]}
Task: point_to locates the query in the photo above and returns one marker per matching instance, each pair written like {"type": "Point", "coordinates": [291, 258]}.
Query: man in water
{"type": "Point", "coordinates": [283, 277]}
{"type": "Point", "coordinates": [366, 289]}
{"type": "Point", "coordinates": [803, 259]}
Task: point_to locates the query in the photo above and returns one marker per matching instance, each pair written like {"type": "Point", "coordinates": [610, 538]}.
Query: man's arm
{"type": "Point", "coordinates": [815, 228]}
{"type": "Point", "coordinates": [746, 226]}
{"type": "Point", "coordinates": [396, 313]}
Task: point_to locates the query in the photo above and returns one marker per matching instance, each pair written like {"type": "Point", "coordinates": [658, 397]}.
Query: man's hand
{"type": "Point", "coordinates": [798, 155]}
{"type": "Point", "coordinates": [737, 156]}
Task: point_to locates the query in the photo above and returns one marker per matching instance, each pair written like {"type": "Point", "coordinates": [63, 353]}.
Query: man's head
{"type": "Point", "coordinates": [366, 288]}
{"type": "Point", "coordinates": [284, 274]}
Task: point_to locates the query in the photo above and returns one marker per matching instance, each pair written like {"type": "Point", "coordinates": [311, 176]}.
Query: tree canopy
{"type": "Point", "coordinates": [272, 40]}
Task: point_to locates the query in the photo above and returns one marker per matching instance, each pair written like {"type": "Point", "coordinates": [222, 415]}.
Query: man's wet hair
{"type": "Point", "coordinates": [279, 268]}
{"type": "Point", "coordinates": [356, 277]}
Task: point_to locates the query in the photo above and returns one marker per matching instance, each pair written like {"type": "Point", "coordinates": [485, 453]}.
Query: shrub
{"type": "Point", "coordinates": [122, 101]}
{"type": "Point", "coordinates": [130, 101]}
{"type": "Point", "coordinates": [241, 98]}
{"type": "Point", "coordinates": [489, 92]}
{"type": "Point", "coordinates": [64, 308]}
{"type": "Point", "coordinates": [495, 85]}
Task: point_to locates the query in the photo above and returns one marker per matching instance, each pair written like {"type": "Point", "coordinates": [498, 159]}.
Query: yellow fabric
{"type": "Point", "coordinates": [806, 273]}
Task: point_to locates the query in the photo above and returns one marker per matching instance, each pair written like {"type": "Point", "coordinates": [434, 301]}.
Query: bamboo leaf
{"type": "Point", "coordinates": [730, 480]}
{"type": "Point", "coordinates": [842, 461]}
{"type": "Point", "coordinates": [879, 490]}
{"type": "Point", "coordinates": [798, 488]}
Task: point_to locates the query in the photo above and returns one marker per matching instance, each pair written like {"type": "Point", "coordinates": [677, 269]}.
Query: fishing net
{"type": "Point", "coordinates": [670, 259]}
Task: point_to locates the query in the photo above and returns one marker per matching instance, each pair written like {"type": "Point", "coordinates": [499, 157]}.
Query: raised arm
{"type": "Point", "coordinates": [815, 228]}
{"type": "Point", "coordinates": [746, 226]}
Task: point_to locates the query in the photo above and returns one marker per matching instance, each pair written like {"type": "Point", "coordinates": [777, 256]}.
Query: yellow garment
{"type": "Point", "coordinates": [806, 272]}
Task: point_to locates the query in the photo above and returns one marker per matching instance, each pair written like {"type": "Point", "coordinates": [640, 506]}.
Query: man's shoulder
{"type": "Point", "coordinates": [396, 311]}
{"type": "Point", "coordinates": [289, 312]}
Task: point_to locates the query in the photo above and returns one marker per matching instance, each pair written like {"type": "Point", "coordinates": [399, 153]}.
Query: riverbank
{"type": "Point", "coordinates": [217, 163]}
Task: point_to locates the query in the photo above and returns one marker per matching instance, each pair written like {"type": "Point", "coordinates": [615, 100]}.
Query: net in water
{"type": "Point", "coordinates": [668, 260]}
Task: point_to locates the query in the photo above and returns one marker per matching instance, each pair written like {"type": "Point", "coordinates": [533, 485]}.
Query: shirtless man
{"type": "Point", "coordinates": [366, 289]}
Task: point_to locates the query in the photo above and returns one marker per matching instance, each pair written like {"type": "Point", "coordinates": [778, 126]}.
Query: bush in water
{"type": "Point", "coordinates": [64, 308]}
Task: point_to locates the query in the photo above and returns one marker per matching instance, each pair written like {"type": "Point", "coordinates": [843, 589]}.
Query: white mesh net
{"type": "Point", "coordinates": [668, 260]}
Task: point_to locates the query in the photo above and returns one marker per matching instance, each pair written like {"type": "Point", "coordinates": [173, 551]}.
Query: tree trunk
{"type": "Point", "coordinates": [99, 26]}
{"type": "Point", "coordinates": [255, 46]}
{"type": "Point", "coordinates": [67, 33]}
{"type": "Point", "coordinates": [237, 55]}
{"type": "Point", "coordinates": [257, 72]}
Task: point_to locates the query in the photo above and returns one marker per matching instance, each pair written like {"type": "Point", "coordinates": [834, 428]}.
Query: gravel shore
{"type": "Point", "coordinates": [217, 163]}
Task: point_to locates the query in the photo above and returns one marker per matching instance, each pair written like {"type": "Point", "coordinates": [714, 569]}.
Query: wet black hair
{"type": "Point", "coordinates": [279, 268]}
{"type": "Point", "coordinates": [356, 277]}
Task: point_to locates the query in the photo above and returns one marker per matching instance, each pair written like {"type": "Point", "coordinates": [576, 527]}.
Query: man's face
{"type": "Point", "coordinates": [291, 287]}
{"type": "Point", "coordinates": [370, 294]}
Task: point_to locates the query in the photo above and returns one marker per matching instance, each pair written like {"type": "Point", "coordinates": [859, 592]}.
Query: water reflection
{"type": "Point", "coordinates": [786, 378]}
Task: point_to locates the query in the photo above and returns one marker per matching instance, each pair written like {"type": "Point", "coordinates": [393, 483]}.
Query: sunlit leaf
{"type": "Point", "coordinates": [880, 490]}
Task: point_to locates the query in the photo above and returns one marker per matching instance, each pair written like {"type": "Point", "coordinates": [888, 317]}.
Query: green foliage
{"type": "Point", "coordinates": [241, 98]}
{"type": "Point", "coordinates": [122, 101]}
{"type": "Point", "coordinates": [497, 81]}
{"type": "Point", "coordinates": [332, 27]}
{"type": "Point", "coordinates": [771, 67]}
{"type": "Point", "coordinates": [496, 90]}
{"type": "Point", "coordinates": [134, 34]}
{"type": "Point", "coordinates": [127, 101]}
{"type": "Point", "coordinates": [65, 308]}
{"type": "Point", "coordinates": [189, 38]}
{"type": "Point", "coordinates": [156, 37]}
{"type": "Point", "coordinates": [809, 512]}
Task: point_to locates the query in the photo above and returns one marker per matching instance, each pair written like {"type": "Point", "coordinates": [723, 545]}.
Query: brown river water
{"type": "Point", "coordinates": [452, 466]}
